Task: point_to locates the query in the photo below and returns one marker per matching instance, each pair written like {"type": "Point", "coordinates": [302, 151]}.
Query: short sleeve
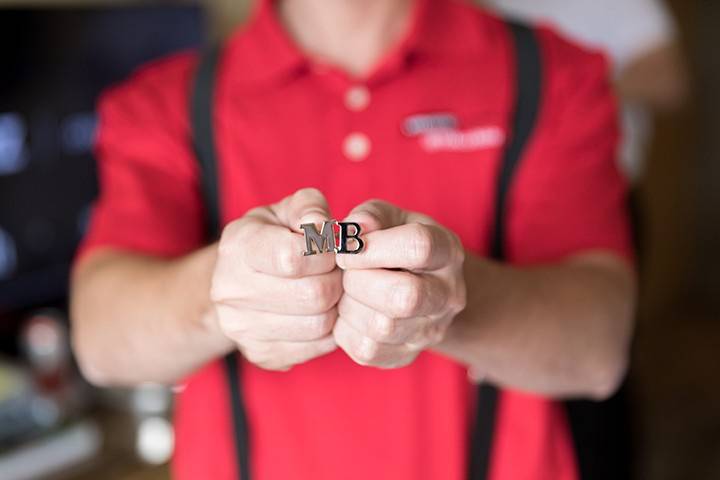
{"type": "Point", "coordinates": [634, 28]}
{"type": "Point", "coordinates": [568, 196]}
{"type": "Point", "coordinates": [623, 29]}
{"type": "Point", "coordinates": [149, 199]}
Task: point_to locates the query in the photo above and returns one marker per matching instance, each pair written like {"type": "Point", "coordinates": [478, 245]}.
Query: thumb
{"type": "Point", "coordinates": [307, 205]}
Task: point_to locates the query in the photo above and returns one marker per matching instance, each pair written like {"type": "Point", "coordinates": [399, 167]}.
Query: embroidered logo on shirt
{"type": "Point", "coordinates": [467, 140]}
{"type": "Point", "coordinates": [415, 125]}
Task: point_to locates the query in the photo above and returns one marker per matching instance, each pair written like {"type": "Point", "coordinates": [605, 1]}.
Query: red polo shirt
{"type": "Point", "coordinates": [284, 122]}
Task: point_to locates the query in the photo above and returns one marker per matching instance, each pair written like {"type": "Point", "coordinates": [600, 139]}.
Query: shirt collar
{"type": "Point", "coordinates": [447, 28]}
{"type": "Point", "coordinates": [266, 53]}
{"type": "Point", "coordinates": [262, 51]}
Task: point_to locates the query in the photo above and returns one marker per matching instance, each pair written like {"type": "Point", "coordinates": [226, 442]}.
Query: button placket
{"type": "Point", "coordinates": [357, 145]}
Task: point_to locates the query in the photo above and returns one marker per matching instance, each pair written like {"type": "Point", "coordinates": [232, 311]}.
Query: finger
{"type": "Point", "coordinates": [397, 294]}
{"type": "Point", "coordinates": [284, 355]}
{"type": "Point", "coordinates": [307, 205]}
{"type": "Point", "coordinates": [276, 250]}
{"type": "Point", "coordinates": [412, 246]}
{"type": "Point", "coordinates": [366, 351]}
{"type": "Point", "coordinates": [380, 327]}
{"type": "Point", "coordinates": [289, 296]}
{"type": "Point", "coordinates": [260, 243]}
{"type": "Point", "coordinates": [241, 325]}
{"type": "Point", "coordinates": [376, 215]}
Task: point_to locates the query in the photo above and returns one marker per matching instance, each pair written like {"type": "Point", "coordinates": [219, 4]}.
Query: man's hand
{"type": "Point", "coordinates": [277, 305]}
{"type": "Point", "coordinates": [403, 291]}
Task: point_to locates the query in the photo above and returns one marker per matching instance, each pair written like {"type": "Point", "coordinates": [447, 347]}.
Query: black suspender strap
{"type": "Point", "coordinates": [602, 437]}
{"type": "Point", "coordinates": [202, 125]}
{"type": "Point", "coordinates": [528, 77]}
{"type": "Point", "coordinates": [239, 416]}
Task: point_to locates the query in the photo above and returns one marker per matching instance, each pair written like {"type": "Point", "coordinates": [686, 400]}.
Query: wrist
{"type": "Point", "coordinates": [197, 271]}
{"type": "Point", "coordinates": [470, 335]}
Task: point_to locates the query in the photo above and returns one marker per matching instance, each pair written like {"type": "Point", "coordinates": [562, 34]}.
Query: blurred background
{"type": "Point", "coordinates": [58, 55]}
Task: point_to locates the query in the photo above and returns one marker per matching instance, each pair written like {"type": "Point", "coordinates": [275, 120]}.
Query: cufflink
{"type": "Point", "coordinates": [327, 240]}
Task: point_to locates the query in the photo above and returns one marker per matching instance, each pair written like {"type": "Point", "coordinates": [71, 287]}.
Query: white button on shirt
{"type": "Point", "coordinates": [356, 146]}
{"type": "Point", "coordinates": [357, 98]}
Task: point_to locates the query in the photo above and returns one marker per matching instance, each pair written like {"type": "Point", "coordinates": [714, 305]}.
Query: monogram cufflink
{"type": "Point", "coordinates": [327, 240]}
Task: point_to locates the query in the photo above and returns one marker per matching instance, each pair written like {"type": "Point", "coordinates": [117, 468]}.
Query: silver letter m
{"type": "Point", "coordinates": [324, 240]}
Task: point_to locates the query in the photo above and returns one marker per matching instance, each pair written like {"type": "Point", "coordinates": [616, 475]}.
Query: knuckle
{"type": "Point", "coordinates": [382, 327]}
{"type": "Point", "coordinates": [225, 247]}
{"type": "Point", "coordinates": [223, 290]}
{"type": "Point", "coordinates": [375, 204]}
{"type": "Point", "coordinates": [233, 237]}
{"type": "Point", "coordinates": [320, 293]}
{"type": "Point", "coordinates": [403, 360]}
{"type": "Point", "coordinates": [216, 292]}
{"type": "Point", "coordinates": [459, 302]}
{"type": "Point", "coordinates": [459, 251]}
{"type": "Point", "coordinates": [263, 355]}
{"type": "Point", "coordinates": [232, 326]}
{"type": "Point", "coordinates": [320, 325]}
{"type": "Point", "coordinates": [457, 298]}
{"type": "Point", "coordinates": [286, 263]}
{"type": "Point", "coordinates": [420, 245]}
{"type": "Point", "coordinates": [308, 192]}
{"type": "Point", "coordinates": [273, 365]}
{"type": "Point", "coordinates": [367, 351]}
{"type": "Point", "coordinates": [226, 244]}
{"type": "Point", "coordinates": [255, 353]}
{"type": "Point", "coordinates": [457, 255]}
{"type": "Point", "coordinates": [435, 333]}
{"type": "Point", "coordinates": [407, 297]}
{"type": "Point", "coordinates": [374, 209]}
{"type": "Point", "coordinates": [306, 291]}
{"type": "Point", "coordinates": [308, 196]}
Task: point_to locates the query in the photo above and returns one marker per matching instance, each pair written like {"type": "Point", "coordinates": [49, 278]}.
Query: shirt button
{"type": "Point", "coordinates": [357, 98]}
{"type": "Point", "coordinates": [356, 146]}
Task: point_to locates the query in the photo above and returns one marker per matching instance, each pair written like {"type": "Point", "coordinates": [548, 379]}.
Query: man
{"type": "Point", "coordinates": [356, 366]}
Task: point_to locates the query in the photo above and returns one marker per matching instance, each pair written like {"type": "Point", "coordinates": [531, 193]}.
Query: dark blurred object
{"type": "Point", "coordinates": [16, 405]}
{"type": "Point", "coordinates": [38, 435]}
{"type": "Point", "coordinates": [46, 345]}
{"type": "Point", "coordinates": [52, 423]}
{"type": "Point", "coordinates": [55, 63]}
{"type": "Point", "coordinates": [41, 402]}
{"type": "Point", "coordinates": [41, 390]}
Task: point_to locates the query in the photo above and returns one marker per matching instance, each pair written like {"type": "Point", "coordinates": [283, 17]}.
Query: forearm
{"type": "Point", "coordinates": [139, 319]}
{"type": "Point", "coordinates": [561, 330]}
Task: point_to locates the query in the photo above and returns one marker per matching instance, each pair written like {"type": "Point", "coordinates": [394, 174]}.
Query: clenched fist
{"type": "Point", "coordinates": [403, 291]}
{"type": "Point", "coordinates": [277, 305]}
